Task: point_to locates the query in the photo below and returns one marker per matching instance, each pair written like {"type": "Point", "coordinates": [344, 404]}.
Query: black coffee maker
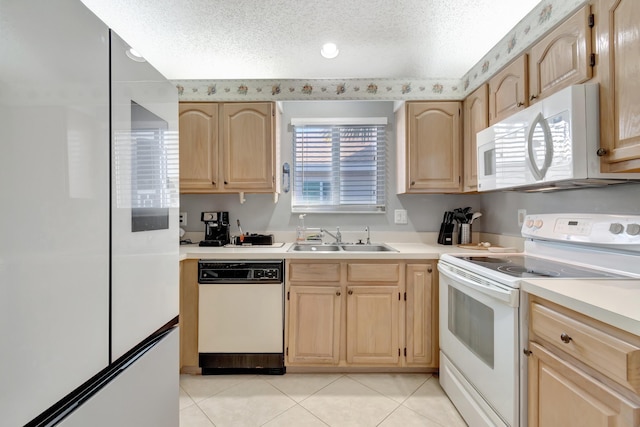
{"type": "Point", "coordinates": [216, 228]}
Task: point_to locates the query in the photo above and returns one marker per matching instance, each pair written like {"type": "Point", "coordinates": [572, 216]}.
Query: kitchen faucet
{"type": "Point", "coordinates": [337, 236]}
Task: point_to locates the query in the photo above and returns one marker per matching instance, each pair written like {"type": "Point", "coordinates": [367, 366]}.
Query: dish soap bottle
{"type": "Point", "coordinates": [300, 228]}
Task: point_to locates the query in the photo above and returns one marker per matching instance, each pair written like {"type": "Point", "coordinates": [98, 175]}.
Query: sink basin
{"type": "Point", "coordinates": [314, 248]}
{"type": "Point", "coordinates": [376, 247]}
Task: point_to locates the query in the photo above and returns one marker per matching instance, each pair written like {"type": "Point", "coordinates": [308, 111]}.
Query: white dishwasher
{"type": "Point", "coordinates": [241, 316]}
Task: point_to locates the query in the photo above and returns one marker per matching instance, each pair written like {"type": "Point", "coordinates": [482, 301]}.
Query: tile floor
{"type": "Point", "coordinates": [302, 400]}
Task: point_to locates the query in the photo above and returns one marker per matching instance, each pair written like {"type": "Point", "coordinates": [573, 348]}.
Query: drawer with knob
{"type": "Point", "coordinates": [589, 343]}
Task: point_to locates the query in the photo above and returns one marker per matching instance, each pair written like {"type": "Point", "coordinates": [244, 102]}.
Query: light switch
{"type": "Point", "coordinates": [400, 216]}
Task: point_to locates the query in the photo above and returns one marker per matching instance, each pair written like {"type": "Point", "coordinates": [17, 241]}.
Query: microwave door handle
{"type": "Point", "coordinates": [508, 296]}
{"type": "Point", "coordinates": [539, 173]}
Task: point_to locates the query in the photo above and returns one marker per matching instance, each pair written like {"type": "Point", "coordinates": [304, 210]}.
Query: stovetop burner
{"type": "Point", "coordinates": [520, 271]}
{"type": "Point", "coordinates": [478, 259]}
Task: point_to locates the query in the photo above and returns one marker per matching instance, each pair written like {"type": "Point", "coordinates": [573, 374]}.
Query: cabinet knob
{"type": "Point", "coordinates": [527, 352]}
{"type": "Point", "coordinates": [429, 270]}
{"type": "Point", "coordinates": [225, 183]}
{"type": "Point", "coordinates": [338, 293]}
{"type": "Point", "coordinates": [519, 104]}
{"type": "Point", "coordinates": [350, 292]}
{"type": "Point", "coordinates": [601, 152]}
{"type": "Point", "coordinates": [565, 338]}
{"type": "Point", "coordinates": [532, 97]}
{"type": "Point", "coordinates": [413, 183]}
{"type": "Point", "coordinates": [213, 182]}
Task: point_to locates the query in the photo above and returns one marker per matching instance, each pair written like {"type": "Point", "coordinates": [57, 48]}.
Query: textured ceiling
{"type": "Point", "coordinates": [281, 39]}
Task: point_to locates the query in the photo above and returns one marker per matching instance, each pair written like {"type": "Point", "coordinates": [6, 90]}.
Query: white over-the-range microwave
{"type": "Point", "coordinates": [551, 145]}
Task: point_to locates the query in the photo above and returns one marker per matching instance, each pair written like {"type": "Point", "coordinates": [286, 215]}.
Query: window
{"type": "Point", "coordinates": [339, 167]}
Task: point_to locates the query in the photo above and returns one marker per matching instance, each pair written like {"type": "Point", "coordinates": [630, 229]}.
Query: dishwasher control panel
{"type": "Point", "coordinates": [240, 271]}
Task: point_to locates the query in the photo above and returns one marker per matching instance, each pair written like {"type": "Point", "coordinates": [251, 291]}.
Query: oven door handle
{"type": "Point", "coordinates": [509, 296]}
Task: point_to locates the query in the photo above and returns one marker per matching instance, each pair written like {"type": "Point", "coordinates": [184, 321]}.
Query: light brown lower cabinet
{"type": "Point", "coordinates": [355, 313]}
{"type": "Point", "coordinates": [314, 324]}
{"type": "Point", "coordinates": [372, 325]}
{"type": "Point", "coordinates": [421, 325]}
{"type": "Point", "coordinates": [582, 372]}
{"type": "Point", "coordinates": [562, 395]}
{"type": "Point", "coordinates": [189, 315]}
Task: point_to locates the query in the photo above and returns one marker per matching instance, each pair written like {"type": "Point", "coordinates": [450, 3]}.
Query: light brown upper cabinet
{"type": "Point", "coordinates": [248, 150]}
{"type": "Point", "coordinates": [199, 155]}
{"type": "Point", "coordinates": [429, 145]}
{"type": "Point", "coordinates": [618, 46]}
{"type": "Point", "coordinates": [475, 118]}
{"type": "Point", "coordinates": [562, 58]}
{"type": "Point", "coordinates": [508, 90]}
{"type": "Point", "coordinates": [227, 148]}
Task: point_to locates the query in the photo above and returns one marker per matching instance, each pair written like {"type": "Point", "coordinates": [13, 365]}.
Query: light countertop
{"type": "Point", "coordinates": [280, 250]}
{"type": "Point", "coordinates": [612, 301]}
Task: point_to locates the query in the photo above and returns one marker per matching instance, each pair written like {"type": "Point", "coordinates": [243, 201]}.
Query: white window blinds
{"type": "Point", "coordinates": [339, 168]}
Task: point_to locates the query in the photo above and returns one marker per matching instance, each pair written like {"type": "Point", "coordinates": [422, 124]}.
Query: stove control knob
{"type": "Point", "coordinates": [616, 228]}
{"type": "Point", "coordinates": [537, 223]}
{"type": "Point", "coordinates": [633, 229]}
{"type": "Point", "coordinates": [529, 223]}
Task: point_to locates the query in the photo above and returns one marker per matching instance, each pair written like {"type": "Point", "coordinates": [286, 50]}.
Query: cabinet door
{"type": "Point", "coordinates": [433, 138]}
{"type": "Point", "coordinates": [562, 395]}
{"type": "Point", "coordinates": [372, 325]}
{"type": "Point", "coordinates": [199, 155]}
{"type": "Point", "coordinates": [189, 314]}
{"type": "Point", "coordinates": [248, 146]}
{"type": "Point", "coordinates": [421, 322]}
{"type": "Point", "coordinates": [508, 90]}
{"type": "Point", "coordinates": [562, 58]}
{"type": "Point", "coordinates": [475, 119]}
{"type": "Point", "coordinates": [618, 45]}
{"type": "Point", "coordinates": [314, 325]}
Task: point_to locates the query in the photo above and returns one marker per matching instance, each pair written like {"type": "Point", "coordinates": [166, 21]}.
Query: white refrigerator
{"type": "Point", "coordinates": [89, 282]}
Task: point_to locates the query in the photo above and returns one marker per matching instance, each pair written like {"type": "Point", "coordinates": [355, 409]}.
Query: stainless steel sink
{"type": "Point", "coordinates": [375, 247]}
{"type": "Point", "coordinates": [314, 248]}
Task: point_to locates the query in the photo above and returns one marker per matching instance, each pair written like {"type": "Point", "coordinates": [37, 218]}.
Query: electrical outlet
{"type": "Point", "coordinates": [522, 213]}
{"type": "Point", "coordinates": [183, 219]}
{"type": "Point", "coordinates": [400, 216]}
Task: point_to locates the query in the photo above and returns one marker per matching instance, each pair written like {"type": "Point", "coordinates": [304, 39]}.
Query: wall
{"type": "Point", "coordinates": [259, 213]}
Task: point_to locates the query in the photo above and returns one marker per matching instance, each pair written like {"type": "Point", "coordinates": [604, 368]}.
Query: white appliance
{"type": "Point", "coordinates": [89, 281]}
{"type": "Point", "coordinates": [241, 316]}
{"type": "Point", "coordinates": [551, 145]}
{"type": "Point", "coordinates": [482, 326]}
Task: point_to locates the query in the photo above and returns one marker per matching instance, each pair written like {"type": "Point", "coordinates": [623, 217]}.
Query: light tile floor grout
{"type": "Point", "coordinates": [334, 400]}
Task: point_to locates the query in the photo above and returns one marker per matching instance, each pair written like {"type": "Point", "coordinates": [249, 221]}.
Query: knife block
{"type": "Point", "coordinates": [445, 236]}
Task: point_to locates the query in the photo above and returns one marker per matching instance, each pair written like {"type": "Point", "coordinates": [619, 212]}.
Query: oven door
{"type": "Point", "coordinates": [479, 338]}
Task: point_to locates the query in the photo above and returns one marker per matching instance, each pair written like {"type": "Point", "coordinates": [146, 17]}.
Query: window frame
{"type": "Point", "coordinates": [338, 202]}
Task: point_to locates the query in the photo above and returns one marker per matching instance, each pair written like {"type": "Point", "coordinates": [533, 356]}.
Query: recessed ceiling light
{"type": "Point", "coordinates": [135, 55]}
{"type": "Point", "coordinates": [329, 50]}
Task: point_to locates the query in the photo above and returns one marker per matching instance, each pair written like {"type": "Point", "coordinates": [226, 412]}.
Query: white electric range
{"type": "Point", "coordinates": [481, 332]}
